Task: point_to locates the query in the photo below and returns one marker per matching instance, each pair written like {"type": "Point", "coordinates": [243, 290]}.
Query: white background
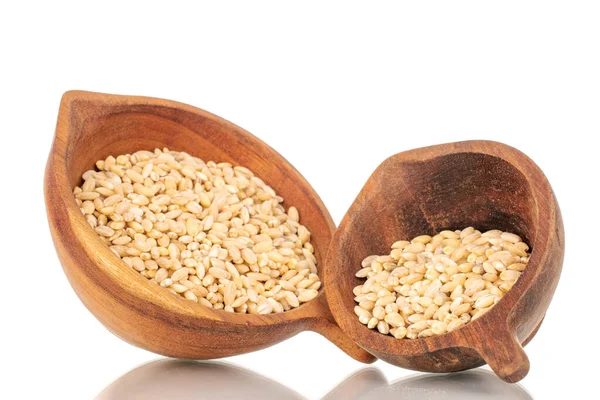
{"type": "Point", "coordinates": [335, 88]}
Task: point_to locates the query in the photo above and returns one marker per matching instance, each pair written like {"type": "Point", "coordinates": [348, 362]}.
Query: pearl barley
{"type": "Point", "coordinates": [433, 285]}
{"type": "Point", "coordinates": [212, 233]}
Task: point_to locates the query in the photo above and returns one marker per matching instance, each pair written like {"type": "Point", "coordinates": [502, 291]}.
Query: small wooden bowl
{"type": "Point", "coordinates": [92, 126]}
{"type": "Point", "coordinates": [483, 184]}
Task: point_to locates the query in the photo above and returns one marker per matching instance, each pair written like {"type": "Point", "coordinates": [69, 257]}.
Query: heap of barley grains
{"type": "Point", "coordinates": [212, 233]}
{"type": "Point", "coordinates": [434, 285]}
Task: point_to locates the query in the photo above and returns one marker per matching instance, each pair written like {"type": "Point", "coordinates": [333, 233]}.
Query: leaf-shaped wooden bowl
{"type": "Point", "coordinates": [483, 184]}
{"type": "Point", "coordinates": [92, 126]}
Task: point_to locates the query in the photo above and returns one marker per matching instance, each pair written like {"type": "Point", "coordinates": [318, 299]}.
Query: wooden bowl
{"type": "Point", "coordinates": [477, 183]}
{"type": "Point", "coordinates": [92, 126]}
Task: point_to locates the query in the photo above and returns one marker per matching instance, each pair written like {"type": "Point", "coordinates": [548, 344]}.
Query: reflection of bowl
{"type": "Point", "coordinates": [370, 384]}
{"type": "Point", "coordinates": [483, 184]}
{"type": "Point", "coordinates": [183, 380]}
{"type": "Point", "coordinates": [92, 126]}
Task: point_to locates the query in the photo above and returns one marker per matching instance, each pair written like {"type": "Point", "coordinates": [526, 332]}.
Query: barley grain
{"type": "Point", "coordinates": [433, 285]}
{"type": "Point", "coordinates": [211, 233]}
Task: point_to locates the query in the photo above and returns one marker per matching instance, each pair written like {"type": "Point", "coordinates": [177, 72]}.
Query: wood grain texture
{"type": "Point", "coordinates": [483, 184]}
{"type": "Point", "coordinates": [92, 126]}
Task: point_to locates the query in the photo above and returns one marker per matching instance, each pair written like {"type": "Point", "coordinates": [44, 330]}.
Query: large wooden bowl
{"type": "Point", "coordinates": [92, 126]}
{"type": "Point", "coordinates": [483, 184]}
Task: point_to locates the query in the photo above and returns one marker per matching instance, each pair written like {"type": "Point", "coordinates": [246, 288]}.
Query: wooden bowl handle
{"type": "Point", "coordinates": [504, 354]}
{"type": "Point", "coordinates": [324, 324]}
